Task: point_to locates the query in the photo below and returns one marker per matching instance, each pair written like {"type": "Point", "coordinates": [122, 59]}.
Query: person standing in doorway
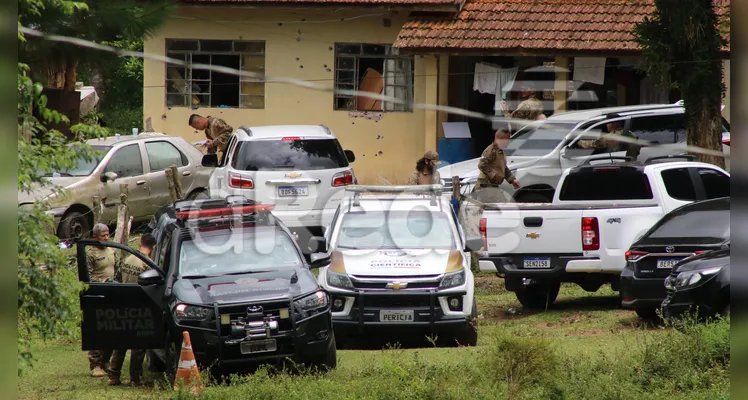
{"type": "Point", "coordinates": [129, 272]}
{"type": "Point", "coordinates": [101, 268]}
{"type": "Point", "coordinates": [425, 172]}
{"type": "Point", "coordinates": [217, 131]}
{"type": "Point", "coordinates": [494, 170]}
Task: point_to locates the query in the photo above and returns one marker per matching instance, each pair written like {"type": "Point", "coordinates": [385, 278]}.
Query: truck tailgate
{"type": "Point", "coordinates": [527, 229]}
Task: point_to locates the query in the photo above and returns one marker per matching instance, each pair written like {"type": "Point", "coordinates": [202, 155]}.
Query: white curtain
{"type": "Point", "coordinates": [398, 81]}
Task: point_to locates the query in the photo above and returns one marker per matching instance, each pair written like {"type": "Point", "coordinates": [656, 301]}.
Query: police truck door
{"type": "Point", "coordinates": [121, 315]}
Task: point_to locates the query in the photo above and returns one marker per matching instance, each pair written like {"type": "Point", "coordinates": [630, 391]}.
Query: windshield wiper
{"type": "Point", "coordinates": [245, 272]}
{"type": "Point", "coordinates": [196, 276]}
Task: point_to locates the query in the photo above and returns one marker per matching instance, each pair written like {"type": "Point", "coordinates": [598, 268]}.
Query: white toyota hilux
{"type": "Point", "coordinates": [399, 260]}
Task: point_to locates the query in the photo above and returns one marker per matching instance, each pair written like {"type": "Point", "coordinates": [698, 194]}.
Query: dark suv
{"type": "Point", "coordinates": [229, 273]}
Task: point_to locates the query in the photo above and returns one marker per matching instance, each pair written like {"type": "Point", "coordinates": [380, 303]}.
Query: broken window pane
{"type": "Point", "coordinates": [207, 46]}
{"type": "Point", "coordinates": [348, 49]}
{"type": "Point", "coordinates": [181, 45]}
{"type": "Point", "coordinates": [253, 47]}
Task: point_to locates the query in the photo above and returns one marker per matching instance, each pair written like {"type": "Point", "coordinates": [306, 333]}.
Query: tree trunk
{"type": "Point", "coordinates": [71, 73]}
{"type": "Point", "coordinates": [705, 131]}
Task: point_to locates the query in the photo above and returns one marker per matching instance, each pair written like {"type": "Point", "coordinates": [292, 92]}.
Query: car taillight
{"type": "Point", "coordinates": [632, 255]}
{"type": "Point", "coordinates": [483, 234]}
{"type": "Point", "coordinates": [290, 138]}
{"type": "Point", "coordinates": [243, 182]}
{"type": "Point", "coordinates": [343, 178]}
{"type": "Point", "coordinates": [590, 234]}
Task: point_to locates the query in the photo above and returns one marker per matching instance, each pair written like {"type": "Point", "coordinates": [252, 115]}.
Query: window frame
{"type": "Point", "coordinates": [188, 70]}
{"type": "Point", "coordinates": [114, 154]}
{"type": "Point", "coordinates": [700, 181]}
{"type": "Point", "coordinates": [356, 71]}
{"type": "Point", "coordinates": [696, 184]}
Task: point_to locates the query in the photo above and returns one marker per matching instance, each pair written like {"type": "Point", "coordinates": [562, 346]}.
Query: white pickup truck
{"type": "Point", "coordinates": [583, 235]}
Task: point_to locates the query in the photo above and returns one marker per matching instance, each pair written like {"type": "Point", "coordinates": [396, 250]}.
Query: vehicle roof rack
{"type": "Point", "coordinates": [433, 190]}
{"type": "Point", "coordinates": [688, 157]}
{"type": "Point", "coordinates": [610, 158]}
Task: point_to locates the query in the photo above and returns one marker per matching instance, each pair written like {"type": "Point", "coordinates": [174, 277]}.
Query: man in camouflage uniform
{"type": "Point", "coordinates": [101, 268]}
{"type": "Point", "coordinates": [129, 271]}
{"type": "Point", "coordinates": [425, 172]}
{"type": "Point", "coordinates": [217, 131]}
{"type": "Point", "coordinates": [530, 109]}
{"type": "Point", "coordinates": [610, 144]}
{"type": "Point", "coordinates": [494, 171]}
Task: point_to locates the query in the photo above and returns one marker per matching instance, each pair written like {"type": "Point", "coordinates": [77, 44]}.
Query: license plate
{"type": "Point", "coordinates": [258, 346]}
{"type": "Point", "coordinates": [286, 191]}
{"type": "Point", "coordinates": [667, 263]}
{"type": "Point", "coordinates": [537, 262]}
{"type": "Point", "coordinates": [396, 316]}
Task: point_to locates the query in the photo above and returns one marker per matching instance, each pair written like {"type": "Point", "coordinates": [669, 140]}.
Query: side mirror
{"type": "Point", "coordinates": [474, 243]}
{"type": "Point", "coordinates": [317, 244]}
{"type": "Point", "coordinates": [108, 176]}
{"type": "Point", "coordinates": [210, 160]}
{"type": "Point", "coordinates": [350, 156]}
{"type": "Point", "coordinates": [319, 260]}
{"type": "Point", "coordinates": [150, 277]}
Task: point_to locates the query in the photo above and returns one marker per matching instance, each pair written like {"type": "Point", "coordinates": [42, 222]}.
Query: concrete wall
{"type": "Point", "coordinates": [385, 147]}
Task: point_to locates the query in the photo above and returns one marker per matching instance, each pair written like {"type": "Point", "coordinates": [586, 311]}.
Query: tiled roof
{"type": "Point", "coordinates": [534, 25]}
{"type": "Point", "coordinates": [455, 3]}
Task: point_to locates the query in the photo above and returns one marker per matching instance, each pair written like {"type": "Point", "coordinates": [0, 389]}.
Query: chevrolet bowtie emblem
{"type": "Point", "coordinates": [293, 175]}
{"type": "Point", "coordinates": [396, 285]}
{"type": "Point", "coordinates": [533, 235]}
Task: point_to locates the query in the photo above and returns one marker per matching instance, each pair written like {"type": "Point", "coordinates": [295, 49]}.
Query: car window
{"type": "Point", "coordinates": [395, 230]}
{"type": "Point", "coordinates": [694, 224]}
{"type": "Point", "coordinates": [165, 242]}
{"type": "Point", "coordinates": [161, 155]}
{"type": "Point", "coordinates": [229, 148]}
{"type": "Point", "coordinates": [606, 183]}
{"type": "Point", "coordinates": [678, 184]}
{"type": "Point", "coordinates": [538, 139]}
{"type": "Point", "coordinates": [681, 132]}
{"type": "Point", "coordinates": [654, 128]}
{"type": "Point", "coordinates": [260, 250]}
{"type": "Point", "coordinates": [287, 154]}
{"type": "Point", "coordinates": [716, 184]}
{"type": "Point", "coordinates": [127, 161]}
{"type": "Point", "coordinates": [82, 166]}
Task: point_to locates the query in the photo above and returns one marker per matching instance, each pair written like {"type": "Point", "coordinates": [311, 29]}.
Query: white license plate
{"type": "Point", "coordinates": [258, 346]}
{"type": "Point", "coordinates": [286, 191]}
{"type": "Point", "coordinates": [396, 316]}
{"type": "Point", "coordinates": [537, 262]}
{"type": "Point", "coordinates": [667, 263]}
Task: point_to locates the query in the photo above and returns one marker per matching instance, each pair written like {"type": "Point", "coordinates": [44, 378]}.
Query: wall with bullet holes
{"type": "Point", "coordinates": [299, 43]}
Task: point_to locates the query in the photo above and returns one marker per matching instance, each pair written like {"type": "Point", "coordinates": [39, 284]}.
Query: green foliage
{"type": "Point", "coordinates": [122, 98]}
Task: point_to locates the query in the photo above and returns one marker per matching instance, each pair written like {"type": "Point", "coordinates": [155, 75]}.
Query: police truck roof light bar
{"type": "Point", "coordinates": [221, 212]}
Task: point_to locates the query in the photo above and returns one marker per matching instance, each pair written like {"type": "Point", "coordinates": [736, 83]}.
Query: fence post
{"type": "Point", "coordinates": [123, 216]}
{"type": "Point", "coordinates": [96, 209]}
{"type": "Point", "coordinates": [175, 185]}
{"type": "Point", "coordinates": [456, 188]}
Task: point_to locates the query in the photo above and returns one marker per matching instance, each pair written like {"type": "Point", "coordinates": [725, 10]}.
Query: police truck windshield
{"type": "Point", "coordinates": [395, 230]}
{"type": "Point", "coordinates": [242, 250]}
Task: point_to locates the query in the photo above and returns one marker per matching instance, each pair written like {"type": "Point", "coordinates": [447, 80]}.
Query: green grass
{"type": "Point", "coordinates": [585, 347]}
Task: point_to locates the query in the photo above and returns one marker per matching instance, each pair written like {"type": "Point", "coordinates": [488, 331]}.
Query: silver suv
{"type": "Point", "coordinates": [139, 162]}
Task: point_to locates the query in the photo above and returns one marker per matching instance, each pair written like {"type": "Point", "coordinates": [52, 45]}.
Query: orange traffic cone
{"type": "Point", "coordinates": [187, 369]}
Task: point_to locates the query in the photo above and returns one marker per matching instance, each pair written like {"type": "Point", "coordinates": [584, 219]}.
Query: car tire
{"type": "Point", "coordinates": [538, 296]}
{"type": "Point", "coordinates": [198, 195]}
{"type": "Point", "coordinates": [647, 314]}
{"type": "Point", "coordinates": [74, 225]}
{"type": "Point", "coordinates": [469, 337]}
{"type": "Point", "coordinates": [327, 362]}
{"type": "Point", "coordinates": [725, 311]}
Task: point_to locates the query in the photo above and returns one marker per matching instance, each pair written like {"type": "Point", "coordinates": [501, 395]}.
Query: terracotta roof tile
{"type": "Point", "coordinates": [455, 3]}
{"type": "Point", "coordinates": [561, 25]}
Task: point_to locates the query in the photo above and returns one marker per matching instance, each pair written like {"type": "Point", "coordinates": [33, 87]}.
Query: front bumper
{"type": "Point", "coordinates": [702, 299]}
{"type": "Point", "coordinates": [300, 340]}
{"type": "Point", "coordinates": [641, 293]}
{"type": "Point", "coordinates": [364, 309]}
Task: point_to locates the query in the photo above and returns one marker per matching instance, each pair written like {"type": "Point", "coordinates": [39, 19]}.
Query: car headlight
{"type": "Point", "coordinates": [691, 278]}
{"type": "Point", "coordinates": [310, 305]}
{"type": "Point", "coordinates": [453, 279]}
{"type": "Point", "coordinates": [191, 313]}
{"type": "Point", "coordinates": [337, 280]}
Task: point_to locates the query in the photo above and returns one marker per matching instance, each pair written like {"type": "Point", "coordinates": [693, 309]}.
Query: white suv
{"type": "Point", "coordinates": [299, 168]}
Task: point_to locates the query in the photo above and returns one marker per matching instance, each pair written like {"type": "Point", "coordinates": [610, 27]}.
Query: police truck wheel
{"type": "Point", "coordinates": [647, 314]}
{"type": "Point", "coordinates": [74, 225]}
{"type": "Point", "coordinates": [470, 336]}
{"type": "Point", "coordinates": [538, 296]}
{"type": "Point", "coordinates": [327, 362]}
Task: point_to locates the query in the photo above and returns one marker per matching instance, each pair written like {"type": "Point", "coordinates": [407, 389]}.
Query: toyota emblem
{"type": "Point", "coordinates": [254, 309]}
{"type": "Point", "coordinates": [670, 249]}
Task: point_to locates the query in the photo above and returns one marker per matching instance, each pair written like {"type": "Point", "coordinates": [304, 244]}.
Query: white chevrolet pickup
{"type": "Point", "coordinates": [583, 235]}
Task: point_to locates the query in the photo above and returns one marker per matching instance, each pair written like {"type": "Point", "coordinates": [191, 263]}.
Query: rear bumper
{"type": "Point", "coordinates": [560, 264]}
{"type": "Point", "coordinates": [641, 292]}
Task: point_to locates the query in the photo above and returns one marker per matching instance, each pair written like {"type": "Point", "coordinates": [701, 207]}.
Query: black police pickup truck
{"type": "Point", "coordinates": [229, 273]}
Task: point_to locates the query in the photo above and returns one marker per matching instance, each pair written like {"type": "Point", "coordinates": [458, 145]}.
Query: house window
{"type": "Point", "coordinates": [376, 68]}
{"type": "Point", "coordinates": [195, 87]}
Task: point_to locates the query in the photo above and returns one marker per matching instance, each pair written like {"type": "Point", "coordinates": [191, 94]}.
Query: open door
{"type": "Point", "coordinates": [121, 315]}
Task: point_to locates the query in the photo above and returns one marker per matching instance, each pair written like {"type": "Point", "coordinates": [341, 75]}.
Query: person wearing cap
{"type": "Point", "coordinates": [494, 171]}
{"type": "Point", "coordinates": [217, 131]}
{"type": "Point", "coordinates": [425, 172]}
{"type": "Point", "coordinates": [531, 108]}
{"type": "Point", "coordinates": [607, 143]}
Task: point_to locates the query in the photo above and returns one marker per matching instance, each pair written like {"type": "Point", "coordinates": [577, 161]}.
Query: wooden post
{"type": "Point", "coordinates": [123, 217]}
{"type": "Point", "coordinates": [456, 188]}
{"type": "Point", "coordinates": [175, 185]}
{"type": "Point", "coordinates": [96, 210]}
